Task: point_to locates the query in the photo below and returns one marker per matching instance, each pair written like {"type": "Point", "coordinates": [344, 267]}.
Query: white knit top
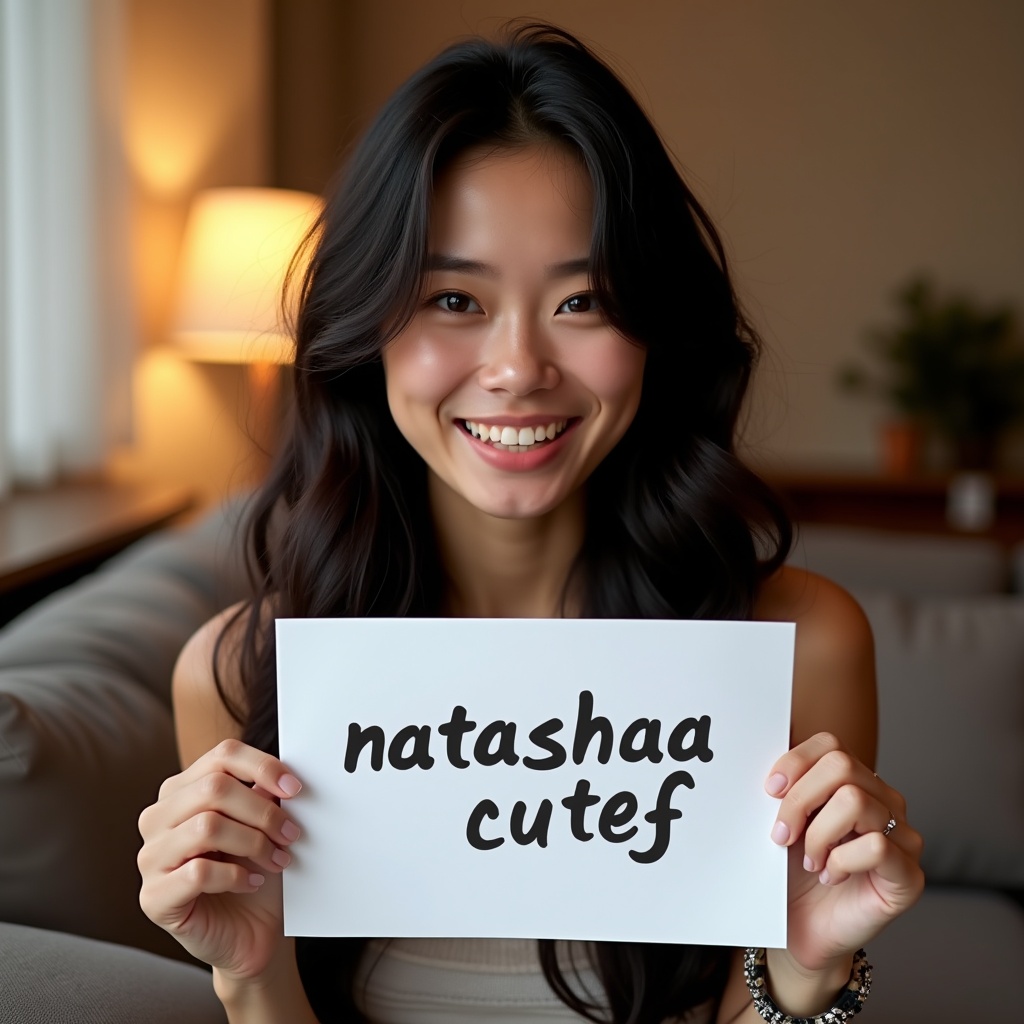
{"type": "Point", "coordinates": [471, 981]}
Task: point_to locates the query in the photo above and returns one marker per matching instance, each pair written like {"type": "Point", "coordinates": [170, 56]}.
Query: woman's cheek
{"type": "Point", "coordinates": [615, 374]}
{"type": "Point", "coordinates": [422, 371]}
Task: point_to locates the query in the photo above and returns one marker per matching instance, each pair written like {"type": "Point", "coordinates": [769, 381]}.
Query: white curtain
{"type": "Point", "coordinates": [66, 319]}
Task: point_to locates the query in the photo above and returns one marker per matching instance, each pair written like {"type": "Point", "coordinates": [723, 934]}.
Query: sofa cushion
{"type": "Point", "coordinates": [50, 977]}
{"type": "Point", "coordinates": [953, 959]}
{"type": "Point", "coordinates": [951, 708]}
{"type": "Point", "coordinates": [911, 565]}
{"type": "Point", "coordinates": [86, 734]}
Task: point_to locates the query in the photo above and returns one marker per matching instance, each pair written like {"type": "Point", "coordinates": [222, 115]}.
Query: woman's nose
{"type": "Point", "coordinates": [518, 359]}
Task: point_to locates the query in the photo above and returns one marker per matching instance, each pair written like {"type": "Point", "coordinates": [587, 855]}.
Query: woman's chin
{"type": "Point", "coordinates": [518, 508]}
{"type": "Point", "coordinates": [516, 503]}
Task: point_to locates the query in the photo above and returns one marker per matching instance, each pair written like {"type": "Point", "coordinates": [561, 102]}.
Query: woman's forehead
{"type": "Point", "coordinates": [488, 195]}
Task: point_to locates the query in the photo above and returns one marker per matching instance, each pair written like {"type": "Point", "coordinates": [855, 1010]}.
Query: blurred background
{"type": "Point", "coordinates": [844, 150]}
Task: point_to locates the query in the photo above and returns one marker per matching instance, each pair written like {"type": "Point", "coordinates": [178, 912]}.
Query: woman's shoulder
{"type": "Point", "coordinates": [834, 661]}
{"type": "Point", "coordinates": [207, 684]}
{"type": "Point", "coordinates": [220, 636]}
{"type": "Point", "coordinates": [827, 616]}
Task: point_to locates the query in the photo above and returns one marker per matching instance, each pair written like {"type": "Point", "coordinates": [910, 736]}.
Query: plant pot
{"type": "Point", "coordinates": [902, 447]}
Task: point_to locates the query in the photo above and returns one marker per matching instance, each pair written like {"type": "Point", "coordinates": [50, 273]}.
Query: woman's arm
{"type": "Point", "coordinates": [216, 843]}
{"type": "Point", "coordinates": [846, 879]}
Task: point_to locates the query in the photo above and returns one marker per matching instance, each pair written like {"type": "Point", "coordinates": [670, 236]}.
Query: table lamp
{"type": "Point", "coordinates": [237, 247]}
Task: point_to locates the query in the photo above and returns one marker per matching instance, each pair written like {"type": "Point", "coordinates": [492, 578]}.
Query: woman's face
{"type": "Point", "coordinates": [507, 381]}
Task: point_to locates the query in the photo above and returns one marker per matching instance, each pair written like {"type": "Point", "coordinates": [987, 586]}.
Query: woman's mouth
{"type": "Point", "coordinates": [515, 439]}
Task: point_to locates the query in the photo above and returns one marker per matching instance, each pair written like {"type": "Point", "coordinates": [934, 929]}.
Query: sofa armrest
{"type": "Point", "coordinates": [86, 735]}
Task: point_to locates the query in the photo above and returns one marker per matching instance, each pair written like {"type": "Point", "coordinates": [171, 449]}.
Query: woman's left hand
{"type": "Point", "coordinates": [850, 873]}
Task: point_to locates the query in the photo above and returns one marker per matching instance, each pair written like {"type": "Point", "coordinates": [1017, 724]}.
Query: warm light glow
{"type": "Point", "coordinates": [238, 245]}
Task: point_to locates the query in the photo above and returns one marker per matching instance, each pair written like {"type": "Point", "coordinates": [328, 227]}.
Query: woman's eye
{"type": "Point", "coordinates": [585, 302]}
{"type": "Point", "coordinates": [455, 302]}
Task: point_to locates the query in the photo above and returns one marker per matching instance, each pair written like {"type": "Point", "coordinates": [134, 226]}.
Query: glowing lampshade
{"type": "Point", "coordinates": [238, 244]}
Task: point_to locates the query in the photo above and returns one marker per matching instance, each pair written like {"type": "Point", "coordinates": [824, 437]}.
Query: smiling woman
{"type": "Point", "coordinates": [519, 368]}
{"type": "Point", "coordinates": [510, 338]}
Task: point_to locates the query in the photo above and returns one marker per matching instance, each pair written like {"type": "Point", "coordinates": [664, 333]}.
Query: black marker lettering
{"type": "Point", "coordinates": [505, 733]}
{"type": "Point", "coordinates": [358, 738]}
{"type": "Point", "coordinates": [701, 729]}
{"type": "Point", "coordinates": [538, 831]}
{"type": "Point", "coordinates": [542, 737]}
{"type": "Point", "coordinates": [454, 729]}
{"type": "Point", "coordinates": [649, 749]}
{"type": "Point", "coordinates": [484, 809]}
{"type": "Point", "coordinates": [577, 805]}
{"type": "Point", "coordinates": [586, 728]}
{"type": "Point", "coordinates": [619, 810]}
{"type": "Point", "coordinates": [420, 756]}
{"type": "Point", "coordinates": [662, 817]}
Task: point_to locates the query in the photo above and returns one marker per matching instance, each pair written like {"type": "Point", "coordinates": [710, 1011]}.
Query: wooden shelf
{"type": "Point", "coordinates": [50, 537]}
{"type": "Point", "coordinates": [915, 503]}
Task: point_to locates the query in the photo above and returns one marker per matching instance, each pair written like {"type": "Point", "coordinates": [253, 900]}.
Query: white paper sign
{"type": "Point", "coordinates": [535, 778]}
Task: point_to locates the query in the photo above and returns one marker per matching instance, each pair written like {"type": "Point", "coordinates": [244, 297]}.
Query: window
{"type": "Point", "coordinates": [67, 325]}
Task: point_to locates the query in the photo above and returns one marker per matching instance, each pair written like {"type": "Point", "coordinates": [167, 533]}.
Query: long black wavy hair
{"type": "Point", "coordinates": [676, 526]}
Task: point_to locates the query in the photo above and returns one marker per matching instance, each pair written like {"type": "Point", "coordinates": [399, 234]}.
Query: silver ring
{"type": "Point", "coordinates": [889, 825]}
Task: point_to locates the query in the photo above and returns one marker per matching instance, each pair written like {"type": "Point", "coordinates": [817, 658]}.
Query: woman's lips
{"type": "Point", "coordinates": [517, 457]}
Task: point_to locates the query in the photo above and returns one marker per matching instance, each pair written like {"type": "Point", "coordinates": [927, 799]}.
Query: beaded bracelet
{"type": "Point", "coordinates": [848, 1002]}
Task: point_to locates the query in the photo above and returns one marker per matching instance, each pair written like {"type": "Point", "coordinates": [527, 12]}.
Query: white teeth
{"type": "Point", "coordinates": [513, 438]}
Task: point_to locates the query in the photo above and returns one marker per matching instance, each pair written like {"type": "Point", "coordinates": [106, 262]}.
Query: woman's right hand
{"type": "Point", "coordinates": [215, 844]}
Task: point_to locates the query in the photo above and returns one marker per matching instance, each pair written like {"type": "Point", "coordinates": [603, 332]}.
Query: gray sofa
{"type": "Point", "coordinates": [86, 738]}
{"type": "Point", "coordinates": [949, 646]}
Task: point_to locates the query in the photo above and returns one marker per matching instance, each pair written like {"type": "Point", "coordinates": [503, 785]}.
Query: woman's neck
{"type": "Point", "coordinates": [505, 568]}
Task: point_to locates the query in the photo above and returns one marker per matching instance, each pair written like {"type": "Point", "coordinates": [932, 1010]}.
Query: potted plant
{"type": "Point", "coordinates": [949, 367]}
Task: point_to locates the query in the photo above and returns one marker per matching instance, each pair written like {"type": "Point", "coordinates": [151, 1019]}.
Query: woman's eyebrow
{"type": "Point", "coordinates": [448, 261]}
{"type": "Point", "coordinates": [569, 268]}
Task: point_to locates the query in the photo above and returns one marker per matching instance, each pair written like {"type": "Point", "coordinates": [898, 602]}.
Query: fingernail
{"type": "Point", "coordinates": [256, 879]}
{"type": "Point", "coordinates": [282, 858]}
{"type": "Point", "coordinates": [289, 784]}
{"type": "Point", "coordinates": [823, 877]}
{"type": "Point", "coordinates": [776, 783]}
{"type": "Point", "coordinates": [808, 863]}
{"type": "Point", "coordinates": [290, 831]}
{"type": "Point", "coordinates": [780, 833]}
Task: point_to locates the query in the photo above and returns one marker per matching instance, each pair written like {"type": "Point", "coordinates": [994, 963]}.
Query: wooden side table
{"type": "Point", "coordinates": [49, 538]}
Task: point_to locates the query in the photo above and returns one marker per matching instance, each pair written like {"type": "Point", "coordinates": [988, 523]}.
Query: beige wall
{"type": "Point", "coordinates": [840, 147]}
{"type": "Point", "coordinates": [196, 114]}
{"type": "Point", "coordinates": [312, 113]}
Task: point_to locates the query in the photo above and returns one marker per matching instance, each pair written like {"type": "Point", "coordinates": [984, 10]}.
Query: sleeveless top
{"type": "Point", "coordinates": [473, 981]}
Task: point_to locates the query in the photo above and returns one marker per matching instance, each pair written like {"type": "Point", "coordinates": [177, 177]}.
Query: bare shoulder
{"type": "Point", "coordinates": [202, 716]}
{"type": "Point", "coordinates": [834, 669]}
{"type": "Point", "coordinates": [830, 623]}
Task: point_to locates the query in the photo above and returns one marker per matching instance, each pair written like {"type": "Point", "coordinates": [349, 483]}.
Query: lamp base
{"type": "Point", "coordinates": [265, 413]}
